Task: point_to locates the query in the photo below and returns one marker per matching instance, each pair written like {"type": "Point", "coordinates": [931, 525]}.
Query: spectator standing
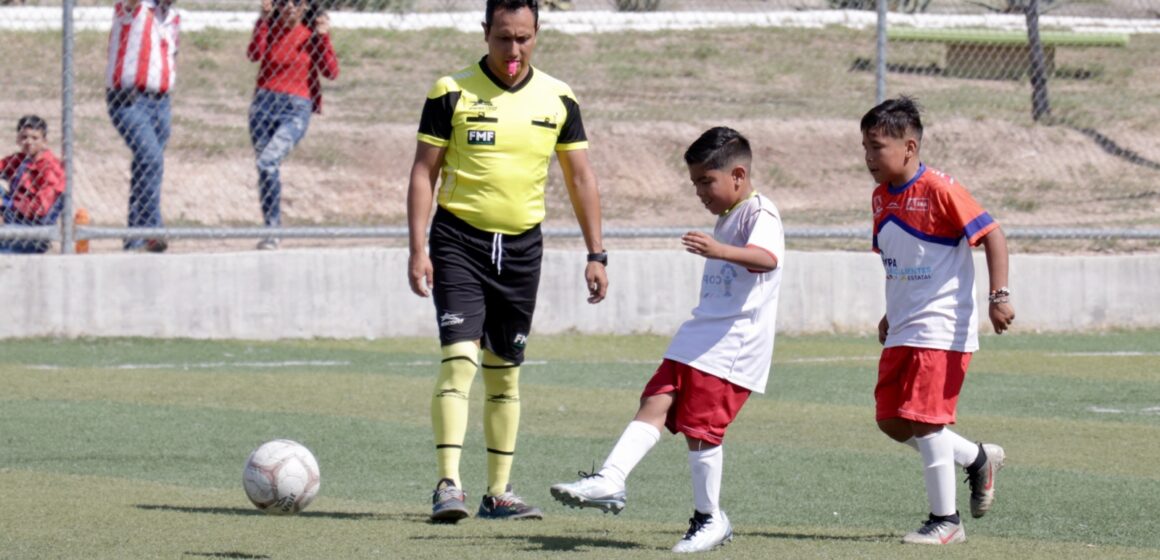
{"type": "Point", "coordinates": [291, 43]}
{"type": "Point", "coordinates": [141, 71]}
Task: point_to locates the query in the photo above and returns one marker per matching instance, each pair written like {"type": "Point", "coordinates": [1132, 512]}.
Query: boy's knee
{"type": "Point", "coordinates": [896, 428]}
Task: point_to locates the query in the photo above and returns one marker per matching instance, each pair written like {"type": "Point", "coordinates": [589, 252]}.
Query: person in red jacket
{"type": "Point", "coordinates": [35, 182]}
{"type": "Point", "coordinates": [291, 43]}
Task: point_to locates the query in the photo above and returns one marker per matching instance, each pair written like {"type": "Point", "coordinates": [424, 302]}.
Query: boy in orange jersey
{"type": "Point", "coordinates": [924, 226]}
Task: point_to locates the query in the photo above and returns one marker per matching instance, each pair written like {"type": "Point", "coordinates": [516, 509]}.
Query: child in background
{"type": "Point", "coordinates": [35, 182]}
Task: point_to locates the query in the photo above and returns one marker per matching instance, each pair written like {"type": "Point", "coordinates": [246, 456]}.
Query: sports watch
{"type": "Point", "coordinates": [601, 257]}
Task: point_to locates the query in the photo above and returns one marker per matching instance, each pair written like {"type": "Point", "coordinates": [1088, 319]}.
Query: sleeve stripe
{"type": "Point", "coordinates": [979, 227]}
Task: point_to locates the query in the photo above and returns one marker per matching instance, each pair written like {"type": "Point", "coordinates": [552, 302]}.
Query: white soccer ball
{"type": "Point", "coordinates": [281, 477]}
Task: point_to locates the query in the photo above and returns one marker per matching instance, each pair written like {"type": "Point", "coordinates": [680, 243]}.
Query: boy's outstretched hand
{"type": "Point", "coordinates": [701, 243]}
{"type": "Point", "coordinates": [1002, 315]}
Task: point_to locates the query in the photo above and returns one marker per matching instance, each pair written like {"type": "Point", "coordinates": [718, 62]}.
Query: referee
{"type": "Point", "coordinates": [489, 130]}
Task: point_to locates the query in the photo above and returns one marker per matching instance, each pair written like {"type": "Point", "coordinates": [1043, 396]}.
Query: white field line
{"type": "Point", "coordinates": [1149, 411]}
{"type": "Point", "coordinates": [206, 365]}
{"type": "Point", "coordinates": [1121, 354]}
{"type": "Point", "coordinates": [22, 18]}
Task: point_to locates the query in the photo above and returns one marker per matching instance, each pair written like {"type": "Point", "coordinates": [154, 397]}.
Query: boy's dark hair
{"type": "Point", "coordinates": [718, 148]}
{"type": "Point", "coordinates": [895, 117]}
{"type": "Point", "coordinates": [511, 5]}
{"type": "Point", "coordinates": [34, 122]}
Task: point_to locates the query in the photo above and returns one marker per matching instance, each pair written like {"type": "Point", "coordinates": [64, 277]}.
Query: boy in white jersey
{"type": "Point", "coordinates": [718, 357]}
{"type": "Point", "coordinates": [924, 226]}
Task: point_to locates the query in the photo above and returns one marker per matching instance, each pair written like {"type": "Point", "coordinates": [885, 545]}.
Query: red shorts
{"type": "Point", "coordinates": [704, 405]}
{"type": "Point", "coordinates": [920, 384]}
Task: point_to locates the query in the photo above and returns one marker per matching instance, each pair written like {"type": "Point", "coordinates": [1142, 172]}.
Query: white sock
{"type": "Point", "coordinates": [938, 455]}
{"type": "Point", "coordinates": [966, 451]}
{"type": "Point", "coordinates": [636, 441]}
{"type": "Point", "coordinates": [706, 466]}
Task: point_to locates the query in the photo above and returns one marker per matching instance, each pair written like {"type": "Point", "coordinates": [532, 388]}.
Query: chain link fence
{"type": "Point", "coordinates": [222, 125]}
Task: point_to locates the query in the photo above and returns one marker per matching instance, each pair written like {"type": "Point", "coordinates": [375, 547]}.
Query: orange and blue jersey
{"type": "Point", "coordinates": [924, 231]}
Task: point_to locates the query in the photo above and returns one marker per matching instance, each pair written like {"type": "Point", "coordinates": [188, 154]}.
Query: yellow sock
{"type": "Point", "coordinates": [501, 419]}
{"type": "Point", "coordinates": [449, 406]}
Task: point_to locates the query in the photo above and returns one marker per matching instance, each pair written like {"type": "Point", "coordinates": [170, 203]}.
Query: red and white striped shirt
{"type": "Point", "coordinates": [143, 48]}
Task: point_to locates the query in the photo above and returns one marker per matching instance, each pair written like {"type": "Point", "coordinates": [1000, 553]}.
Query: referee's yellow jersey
{"type": "Point", "coordinates": [499, 143]}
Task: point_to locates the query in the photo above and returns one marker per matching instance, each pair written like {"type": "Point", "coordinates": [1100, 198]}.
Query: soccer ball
{"type": "Point", "coordinates": [281, 477]}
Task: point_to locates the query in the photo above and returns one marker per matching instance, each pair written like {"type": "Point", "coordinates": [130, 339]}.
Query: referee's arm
{"type": "Point", "coordinates": [585, 195]}
{"type": "Point", "coordinates": [420, 193]}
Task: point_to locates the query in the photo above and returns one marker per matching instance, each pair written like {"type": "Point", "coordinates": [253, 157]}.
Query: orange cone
{"type": "Point", "coordinates": [82, 219]}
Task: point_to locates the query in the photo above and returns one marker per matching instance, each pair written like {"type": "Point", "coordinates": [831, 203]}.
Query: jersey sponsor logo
{"type": "Point", "coordinates": [722, 281]}
{"type": "Point", "coordinates": [449, 319]}
{"type": "Point", "coordinates": [481, 137]}
{"type": "Point", "coordinates": [481, 105]}
{"type": "Point", "coordinates": [918, 204]}
{"type": "Point", "coordinates": [905, 273]}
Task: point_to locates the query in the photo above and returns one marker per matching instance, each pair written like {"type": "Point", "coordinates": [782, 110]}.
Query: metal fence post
{"type": "Point", "coordinates": [880, 70]}
{"type": "Point", "coordinates": [68, 225]}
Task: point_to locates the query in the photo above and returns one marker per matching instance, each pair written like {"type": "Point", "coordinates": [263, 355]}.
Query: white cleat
{"type": "Point", "coordinates": [591, 491]}
{"type": "Point", "coordinates": [705, 533]}
{"type": "Point", "coordinates": [937, 531]}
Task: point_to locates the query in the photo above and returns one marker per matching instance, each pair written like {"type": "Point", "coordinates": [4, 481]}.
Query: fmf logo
{"type": "Point", "coordinates": [877, 205]}
{"type": "Point", "coordinates": [481, 137]}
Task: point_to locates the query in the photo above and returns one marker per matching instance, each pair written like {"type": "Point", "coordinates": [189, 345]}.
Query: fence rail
{"type": "Point", "coordinates": [1081, 164]}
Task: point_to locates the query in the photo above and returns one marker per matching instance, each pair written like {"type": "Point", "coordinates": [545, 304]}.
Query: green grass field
{"type": "Point", "coordinates": [134, 449]}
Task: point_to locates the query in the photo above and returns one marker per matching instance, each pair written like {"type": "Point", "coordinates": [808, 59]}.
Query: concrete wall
{"type": "Point", "coordinates": [364, 293]}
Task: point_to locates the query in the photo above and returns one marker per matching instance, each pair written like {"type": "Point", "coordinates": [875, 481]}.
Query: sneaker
{"type": "Point", "coordinates": [268, 244]}
{"type": "Point", "coordinates": [448, 503]}
{"type": "Point", "coordinates": [706, 532]}
{"type": "Point", "coordinates": [982, 481]}
{"type": "Point", "coordinates": [507, 506]}
{"type": "Point", "coordinates": [148, 246]}
{"type": "Point", "coordinates": [938, 530]}
{"type": "Point", "coordinates": [593, 491]}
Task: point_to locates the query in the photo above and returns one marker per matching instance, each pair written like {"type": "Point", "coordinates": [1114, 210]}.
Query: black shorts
{"type": "Point", "coordinates": [485, 284]}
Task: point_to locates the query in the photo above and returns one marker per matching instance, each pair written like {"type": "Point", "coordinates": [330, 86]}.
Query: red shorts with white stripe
{"type": "Point", "coordinates": [703, 405]}
{"type": "Point", "coordinates": [920, 384]}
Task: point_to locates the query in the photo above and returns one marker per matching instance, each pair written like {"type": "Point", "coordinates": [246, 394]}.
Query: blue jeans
{"type": "Point", "coordinates": [23, 247]}
{"type": "Point", "coordinates": [278, 121]}
{"type": "Point", "coordinates": [142, 119]}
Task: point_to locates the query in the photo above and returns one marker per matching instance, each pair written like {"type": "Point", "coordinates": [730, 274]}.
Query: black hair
{"type": "Point", "coordinates": [895, 117]}
{"type": "Point", "coordinates": [34, 122]}
{"type": "Point", "coordinates": [313, 10]}
{"type": "Point", "coordinates": [718, 148]}
{"type": "Point", "coordinates": [511, 5]}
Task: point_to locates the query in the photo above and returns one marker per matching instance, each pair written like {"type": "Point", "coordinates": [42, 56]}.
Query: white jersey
{"type": "Point", "coordinates": [731, 333]}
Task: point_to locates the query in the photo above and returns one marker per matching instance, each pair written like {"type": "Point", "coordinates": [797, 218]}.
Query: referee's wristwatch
{"type": "Point", "coordinates": [601, 257]}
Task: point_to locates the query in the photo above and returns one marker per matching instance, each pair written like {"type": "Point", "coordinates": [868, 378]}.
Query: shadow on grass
{"type": "Point", "coordinates": [816, 537]}
{"type": "Point", "coordinates": [548, 543]}
{"type": "Point", "coordinates": [412, 517]}
{"type": "Point", "coordinates": [238, 555]}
